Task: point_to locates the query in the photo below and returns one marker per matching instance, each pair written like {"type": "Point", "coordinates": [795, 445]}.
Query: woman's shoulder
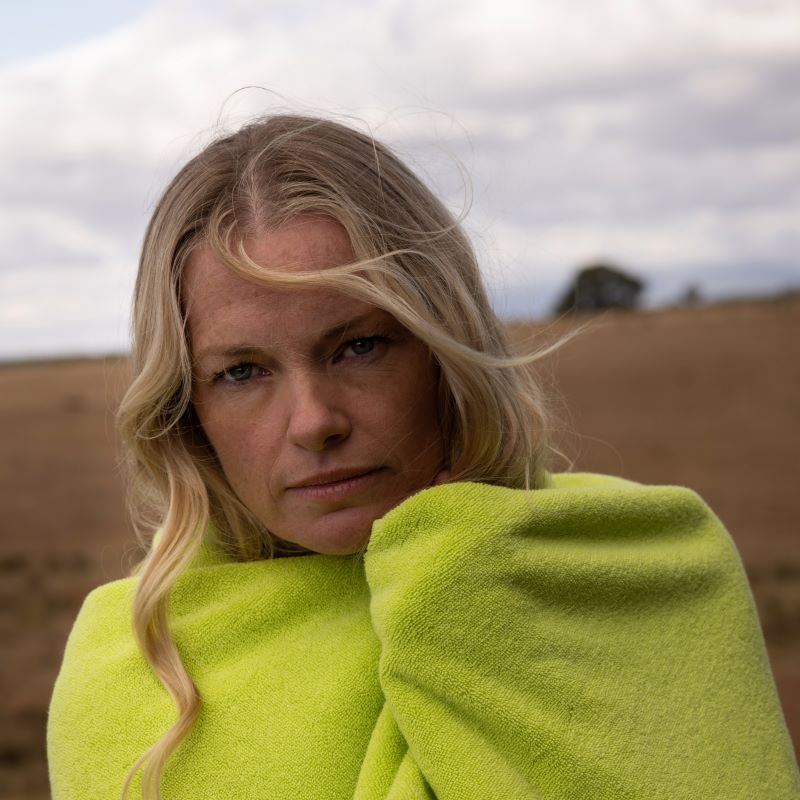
{"type": "Point", "coordinates": [576, 506]}
{"type": "Point", "coordinates": [567, 488]}
{"type": "Point", "coordinates": [583, 541]}
{"type": "Point", "coordinates": [596, 632]}
{"type": "Point", "coordinates": [213, 596]}
{"type": "Point", "coordinates": [102, 610]}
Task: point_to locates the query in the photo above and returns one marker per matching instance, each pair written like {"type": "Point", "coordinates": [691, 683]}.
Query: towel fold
{"type": "Point", "coordinates": [595, 639]}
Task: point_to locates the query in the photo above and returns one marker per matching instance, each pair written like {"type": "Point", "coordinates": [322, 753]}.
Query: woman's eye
{"type": "Point", "coordinates": [238, 373]}
{"type": "Point", "coordinates": [371, 346]}
{"type": "Point", "coordinates": [360, 347]}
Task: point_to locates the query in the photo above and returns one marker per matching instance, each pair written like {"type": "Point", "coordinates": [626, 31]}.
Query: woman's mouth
{"type": "Point", "coordinates": [335, 485]}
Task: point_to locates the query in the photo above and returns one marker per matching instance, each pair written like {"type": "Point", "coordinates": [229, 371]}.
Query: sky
{"type": "Point", "coordinates": [662, 136]}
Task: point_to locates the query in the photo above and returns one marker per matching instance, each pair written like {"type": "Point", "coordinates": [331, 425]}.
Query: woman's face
{"type": "Point", "coordinates": [321, 408]}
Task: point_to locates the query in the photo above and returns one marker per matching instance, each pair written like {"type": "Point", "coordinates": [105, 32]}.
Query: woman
{"type": "Point", "coordinates": [365, 582]}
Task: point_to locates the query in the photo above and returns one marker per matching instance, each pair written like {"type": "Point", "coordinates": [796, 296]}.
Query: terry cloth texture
{"type": "Point", "coordinates": [596, 639]}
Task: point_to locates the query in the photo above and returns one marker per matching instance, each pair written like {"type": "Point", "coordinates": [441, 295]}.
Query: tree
{"type": "Point", "coordinates": [601, 286]}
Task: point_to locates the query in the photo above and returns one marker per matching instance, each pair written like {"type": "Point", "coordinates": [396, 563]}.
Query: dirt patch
{"type": "Point", "coordinates": [706, 398]}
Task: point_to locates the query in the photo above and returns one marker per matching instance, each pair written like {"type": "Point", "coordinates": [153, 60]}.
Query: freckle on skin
{"type": "Point", "coordinates": [381, 415]}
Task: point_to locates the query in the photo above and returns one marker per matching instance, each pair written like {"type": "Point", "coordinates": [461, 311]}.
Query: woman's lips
{"type": "Point", "coordinates": [336, 488]}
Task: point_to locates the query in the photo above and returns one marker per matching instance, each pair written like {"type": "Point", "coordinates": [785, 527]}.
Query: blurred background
{"type": "Point", "coordinates": [638, 162]}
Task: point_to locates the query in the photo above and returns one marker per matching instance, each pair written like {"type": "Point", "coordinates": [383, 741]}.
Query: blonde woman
{"type": "Point", "coordinates": [365, 582]}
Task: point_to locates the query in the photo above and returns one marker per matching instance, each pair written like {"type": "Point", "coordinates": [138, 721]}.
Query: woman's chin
{"type": "Point", "coordinates": [337, 533]}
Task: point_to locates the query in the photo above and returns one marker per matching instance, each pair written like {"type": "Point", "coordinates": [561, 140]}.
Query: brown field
{"type": "Point", "coordinates": [707, 398]}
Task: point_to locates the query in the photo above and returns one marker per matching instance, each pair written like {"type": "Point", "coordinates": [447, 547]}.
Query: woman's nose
{"type": "Point", "coordinates": [318, 418]}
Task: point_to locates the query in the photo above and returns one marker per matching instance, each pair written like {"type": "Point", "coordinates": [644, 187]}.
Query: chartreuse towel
{"type": "Point", "coordinates": [595, 639]}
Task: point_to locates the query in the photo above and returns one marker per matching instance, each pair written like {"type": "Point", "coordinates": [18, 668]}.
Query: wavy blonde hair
{"type": "Point", "coordinates": [411, 258]}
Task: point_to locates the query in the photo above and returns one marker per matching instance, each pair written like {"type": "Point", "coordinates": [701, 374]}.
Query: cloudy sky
{"type": "Point", "coordinates": [663, 135]}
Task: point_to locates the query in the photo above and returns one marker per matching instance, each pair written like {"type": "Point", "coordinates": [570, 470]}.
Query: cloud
{"type": "Point", "coordinates": [660, 134]}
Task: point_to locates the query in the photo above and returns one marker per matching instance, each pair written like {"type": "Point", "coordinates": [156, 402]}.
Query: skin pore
{"type": "Point", "coordinates": [321, 409]}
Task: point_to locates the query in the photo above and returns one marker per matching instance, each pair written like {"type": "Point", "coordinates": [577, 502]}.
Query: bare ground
{"type": "Point", "coordinates": [706, 398]}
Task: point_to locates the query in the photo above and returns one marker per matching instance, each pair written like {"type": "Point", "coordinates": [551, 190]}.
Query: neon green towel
{"type": "Point", "coordinates": [596, 639]}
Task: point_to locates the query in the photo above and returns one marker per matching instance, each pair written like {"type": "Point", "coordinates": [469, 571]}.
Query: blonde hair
{"type": "Point", "coordinates": [411, 259]}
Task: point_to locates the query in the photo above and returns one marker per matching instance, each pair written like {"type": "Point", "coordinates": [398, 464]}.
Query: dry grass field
{"type": "Point", "coordinates": [706, 397]}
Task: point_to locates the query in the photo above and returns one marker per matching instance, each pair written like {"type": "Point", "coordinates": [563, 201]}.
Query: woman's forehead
{"type": "Point", "coordinates": [306, 242]}
{"type": "Point", "coordinates": [225, 311]}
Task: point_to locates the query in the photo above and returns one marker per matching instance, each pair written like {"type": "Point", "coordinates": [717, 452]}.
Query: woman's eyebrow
{"type": "Point", "coordinates": [234, 351]}
{"type": "Point", "coordinates": [336, 332]}
{"type": "Point", "coordinates": [340, 330]}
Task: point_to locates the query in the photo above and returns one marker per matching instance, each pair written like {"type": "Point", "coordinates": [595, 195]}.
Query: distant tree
{"type": "Point", "coordinates": [601, 286]}
{"type": "Point", "coordinates": [691, 297]}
